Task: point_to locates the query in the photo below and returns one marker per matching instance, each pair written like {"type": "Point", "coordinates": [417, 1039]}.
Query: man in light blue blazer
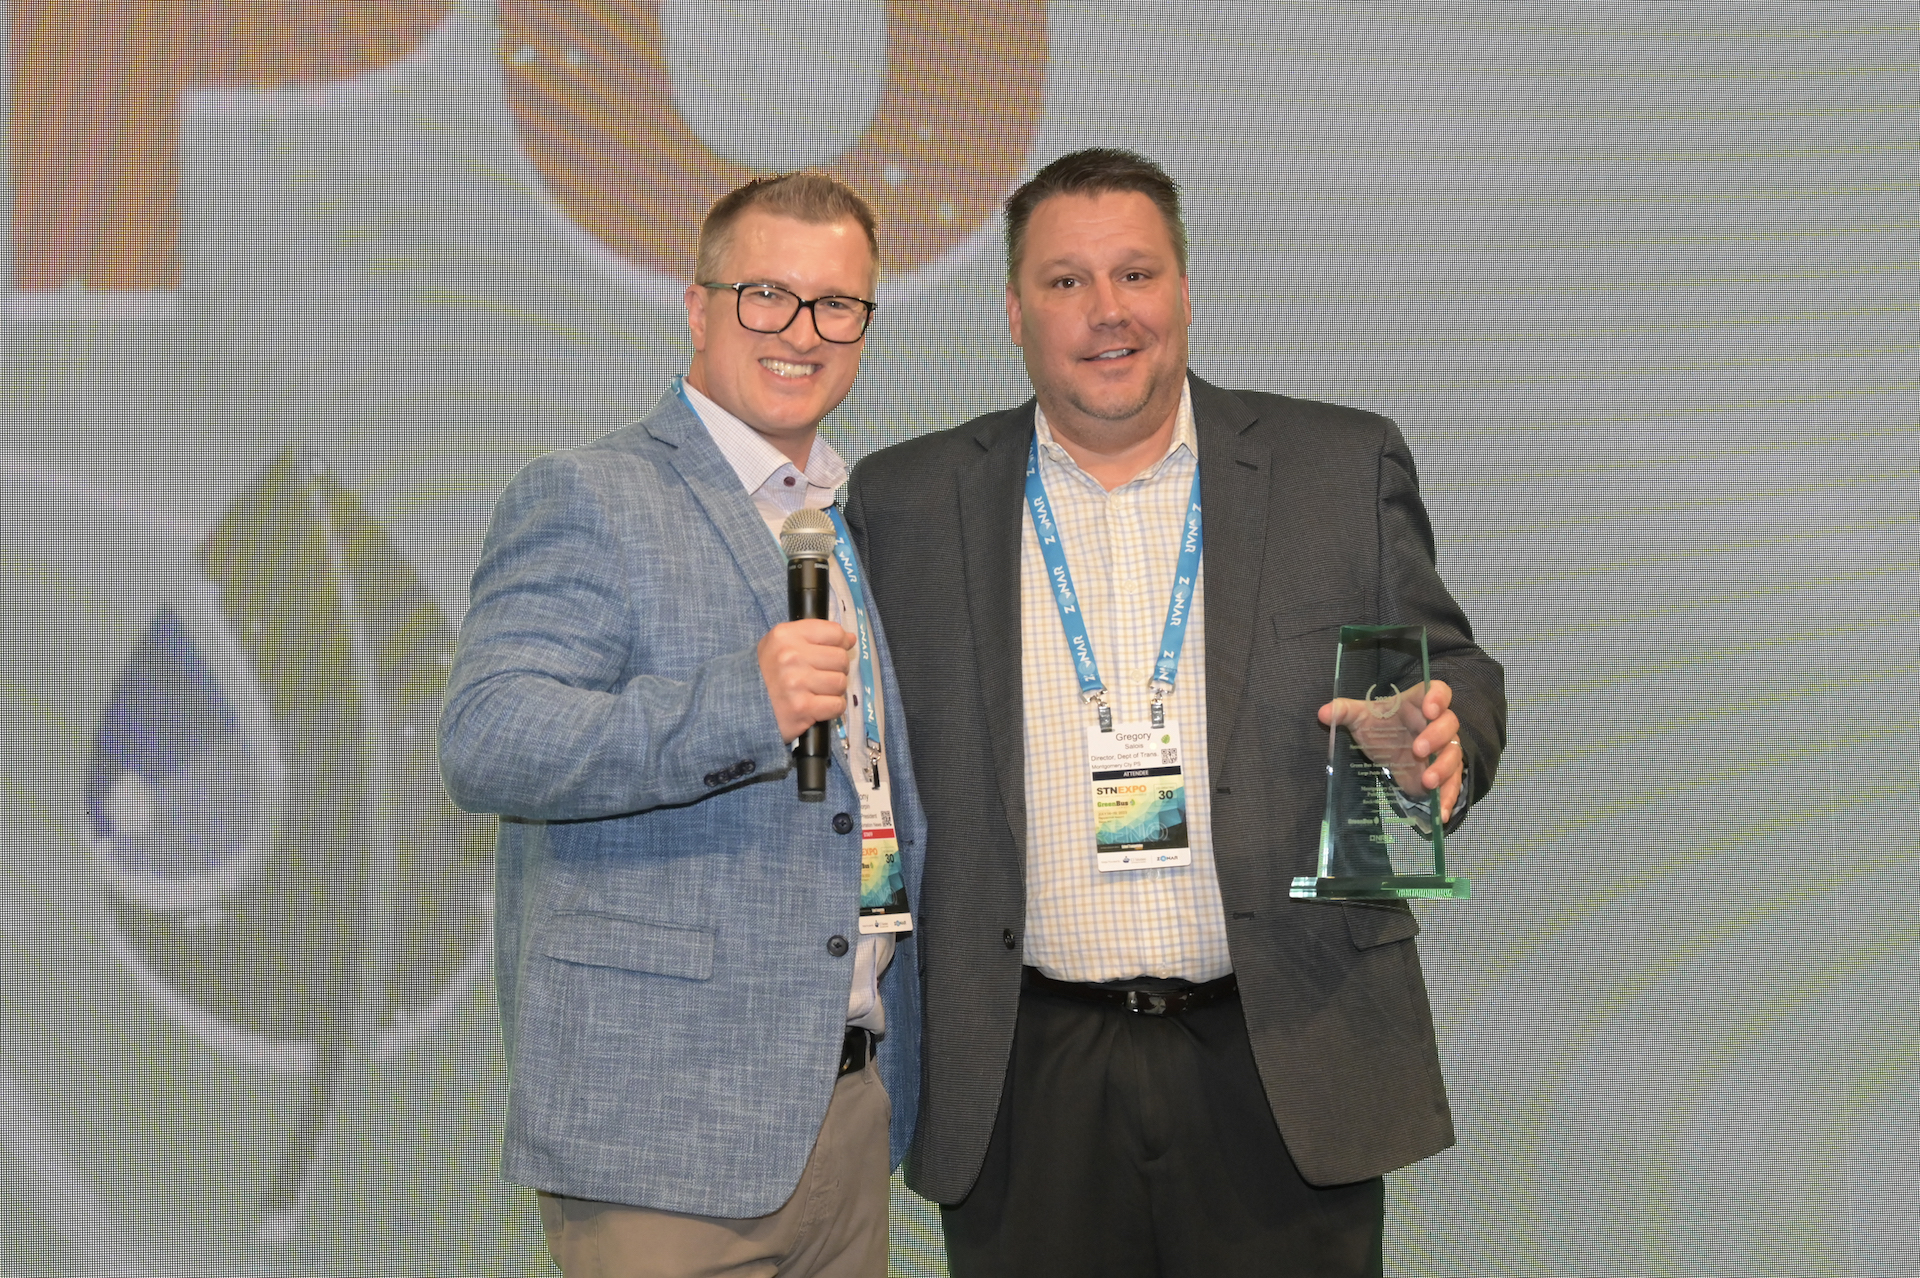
{"type": "Point", "coordinates": [692, 984]}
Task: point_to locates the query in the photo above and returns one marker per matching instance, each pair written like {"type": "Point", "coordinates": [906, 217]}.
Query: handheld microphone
{"type": "Point", "coordinates": [807, 537]}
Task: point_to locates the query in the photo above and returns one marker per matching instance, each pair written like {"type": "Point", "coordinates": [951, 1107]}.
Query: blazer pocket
{"type": "Point", "coordinates": [632, 945]}
{"type": "Point", "coordinates": [1321, 614]}
{"type": "Point", "coordinates": [1371, 925]}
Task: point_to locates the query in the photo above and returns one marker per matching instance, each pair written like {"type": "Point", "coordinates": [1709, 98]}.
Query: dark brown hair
{"type": "Point", "coordinates": [805, 196]}
{"type": "Point", "coordinates": [1097, 170]}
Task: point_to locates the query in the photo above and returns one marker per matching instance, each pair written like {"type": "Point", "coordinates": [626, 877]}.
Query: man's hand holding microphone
{"type": "Point", "coordinates": [805, 666]}
{"type": "Point", "coordinates": [804, 661]}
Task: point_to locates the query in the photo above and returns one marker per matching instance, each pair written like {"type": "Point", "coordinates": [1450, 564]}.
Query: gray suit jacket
{"type": "Point", "coordinates": [1313, 520]}
{"type": "Point", "coordinates": [669, 918]}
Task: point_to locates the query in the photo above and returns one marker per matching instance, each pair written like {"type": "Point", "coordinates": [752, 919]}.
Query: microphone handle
{"type": "Point", "coordinates": [807, 600]}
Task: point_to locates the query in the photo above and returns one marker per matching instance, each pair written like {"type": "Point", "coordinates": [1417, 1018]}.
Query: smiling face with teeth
{"type": "Point", "coordinates": [1099, 309]}
{"type": "Point", "coordinates": [781, 384]}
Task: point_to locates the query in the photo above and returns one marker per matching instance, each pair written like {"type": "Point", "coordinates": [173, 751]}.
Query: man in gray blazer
{"type": "Point", "coordinates": [693, 964]}
{"type": "Point", "coordinates": [1177, 1070]}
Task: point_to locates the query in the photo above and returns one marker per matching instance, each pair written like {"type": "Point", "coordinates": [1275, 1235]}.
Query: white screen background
{"type": "Point", "coordinates": [1639, 283]}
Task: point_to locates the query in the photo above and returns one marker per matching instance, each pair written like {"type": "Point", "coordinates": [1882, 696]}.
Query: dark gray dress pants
{"type": "Point", "coordinates": [1131, 1146]}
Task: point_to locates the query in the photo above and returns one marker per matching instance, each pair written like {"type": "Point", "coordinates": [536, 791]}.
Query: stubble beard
{"type": "Point", "coordinates": [1122, 413]}
{"type": "Point", "coordinates": [1114, 414]}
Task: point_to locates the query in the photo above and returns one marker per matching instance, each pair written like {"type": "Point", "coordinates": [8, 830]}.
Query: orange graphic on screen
{"type": "Point", "coordinates": [948, 139]}
{"type": "Point", "coordinates": [96, 101]}
{"type": "Point", "coordinates": [97, 89]}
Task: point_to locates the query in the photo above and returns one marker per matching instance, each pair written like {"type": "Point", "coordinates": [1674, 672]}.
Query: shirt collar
{"type": "Point", "coordinates": [753, 458]}
{"type": "Point", "coordinates": [1183, 437]}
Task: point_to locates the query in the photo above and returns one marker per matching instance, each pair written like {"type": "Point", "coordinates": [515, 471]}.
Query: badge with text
{"type": "Point", "coordinates": [883, 889]}
{"type": "Point", "coordinates": [1139, 797]}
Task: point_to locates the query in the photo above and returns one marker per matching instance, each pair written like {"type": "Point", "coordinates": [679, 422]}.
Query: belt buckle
{"type": "Point", "coordinates": [1146, 1003]}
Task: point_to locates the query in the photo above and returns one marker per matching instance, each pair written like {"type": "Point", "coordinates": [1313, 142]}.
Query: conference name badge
{"type": "Point", "coordinates": [883, 889]}
{"type": "Point", "coordinates": [1139, 797]}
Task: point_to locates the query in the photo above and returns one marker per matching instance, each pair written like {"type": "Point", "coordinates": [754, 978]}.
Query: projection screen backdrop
{"type": "Point", "coordinates": [294, 287]}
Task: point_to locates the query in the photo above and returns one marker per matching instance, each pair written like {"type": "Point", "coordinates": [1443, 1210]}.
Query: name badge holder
{"type": "Point", "coordinates": [883, 887]}
{"type": "Point", "coordinates": [1135, 773]}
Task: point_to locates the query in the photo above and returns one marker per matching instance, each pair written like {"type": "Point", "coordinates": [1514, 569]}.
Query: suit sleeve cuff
{"type": "Point", "coordinates": [738, 737]}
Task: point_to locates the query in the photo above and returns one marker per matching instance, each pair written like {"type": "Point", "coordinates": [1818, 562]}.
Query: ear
{"type": "Point", "coordinates": [696, 298]}
{"type": "Point", "coordinates": [1186, 299]}
{"type": "Point", "coordinates": [1013, 313]}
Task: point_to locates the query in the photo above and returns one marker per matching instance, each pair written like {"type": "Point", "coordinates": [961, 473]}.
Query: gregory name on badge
{"type": "Point", "coordinates": [1139, 797]}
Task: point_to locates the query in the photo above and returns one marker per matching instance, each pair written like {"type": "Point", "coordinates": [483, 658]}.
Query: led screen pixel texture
{"type": "Point", "coordinates": [292, 289]}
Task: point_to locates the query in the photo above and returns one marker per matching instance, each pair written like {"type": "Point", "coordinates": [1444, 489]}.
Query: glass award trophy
{"type": "Point", "coordinates": [1381, 836]}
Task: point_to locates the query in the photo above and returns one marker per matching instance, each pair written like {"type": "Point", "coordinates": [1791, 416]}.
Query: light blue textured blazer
{"type": "Point", "coordinates": [667, 909]}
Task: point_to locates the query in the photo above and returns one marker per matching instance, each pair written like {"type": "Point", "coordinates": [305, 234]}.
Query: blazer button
{"type": "Point", "coordinates": [1006, 937]}
{"type": "Point", "coordinates": [837, 946]}
{"type": "Point", "coordinates": [745, 767]}
{"type": "Point", "coordinates": [842, 823]}
{"type": "Point", "coordinates": [712, 779]}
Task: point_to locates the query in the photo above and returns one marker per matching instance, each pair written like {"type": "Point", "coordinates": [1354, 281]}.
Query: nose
{"type": "Point", "coordinates": [1105, 307]}
{"type": "Point", "coordinates": [803, 334]}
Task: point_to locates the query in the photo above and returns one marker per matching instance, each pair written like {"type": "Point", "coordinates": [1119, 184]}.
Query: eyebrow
{"type": "Point", "coordinates": [1055, 263]}
{"type": "Point", "coordinates": [799, 292]}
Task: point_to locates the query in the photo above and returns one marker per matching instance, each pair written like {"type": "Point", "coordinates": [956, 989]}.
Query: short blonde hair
{"type": "Point", "coordinates": [805, 196]}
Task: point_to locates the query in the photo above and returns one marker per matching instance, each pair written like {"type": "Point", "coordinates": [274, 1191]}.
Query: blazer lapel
{"type": "Point", "coordinates": [705, 471]}
{"type": "Point", "coordinates": [991, 494]}
{"type": "Point", "coordinates": [1236, 472]}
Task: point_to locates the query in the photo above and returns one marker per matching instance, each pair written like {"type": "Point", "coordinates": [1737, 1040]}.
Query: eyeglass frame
{"type": "Point", "coordinates": [805, 304]}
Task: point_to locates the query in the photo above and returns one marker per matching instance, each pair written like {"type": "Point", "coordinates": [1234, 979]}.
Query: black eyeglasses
{"type": "Point", "coordinates": [768, 308]}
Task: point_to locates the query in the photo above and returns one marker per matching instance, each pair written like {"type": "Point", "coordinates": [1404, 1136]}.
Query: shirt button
{"type": "Point", "coordinates": [788, 481]}
{"type": "Point", "coordinates": [1006, 937]}
{"type": "Point", "coordinates": [842, 823]}
{"type": "Point", "coordinates": [837, 946]}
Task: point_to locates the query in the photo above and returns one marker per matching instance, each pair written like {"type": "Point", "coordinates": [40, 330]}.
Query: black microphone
{"type": "Point", "coordinates": [807, 537]}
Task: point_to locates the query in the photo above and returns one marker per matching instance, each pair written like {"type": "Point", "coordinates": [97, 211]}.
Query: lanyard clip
{"type": "Point", "coordinates": [1159, 706]}
{"type": "Point", "coordinates": [1098, 699]}
{"type": "Point", "coordinates": [873, 767]}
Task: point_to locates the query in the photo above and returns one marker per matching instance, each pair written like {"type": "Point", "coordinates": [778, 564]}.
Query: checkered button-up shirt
{"type": "Point", "coordinates": [1083, 925]}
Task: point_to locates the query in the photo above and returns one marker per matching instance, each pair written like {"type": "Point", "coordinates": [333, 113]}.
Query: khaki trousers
{"type": "Point", "coordinates": [834, 1225]}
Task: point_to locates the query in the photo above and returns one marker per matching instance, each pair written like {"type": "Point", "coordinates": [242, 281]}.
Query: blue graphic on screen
{"type": "Point", "coordinates": [177, 792]}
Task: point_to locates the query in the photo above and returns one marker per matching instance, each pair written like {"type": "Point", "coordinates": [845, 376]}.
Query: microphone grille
{"type": "Point", "coordinates": [807, 534]}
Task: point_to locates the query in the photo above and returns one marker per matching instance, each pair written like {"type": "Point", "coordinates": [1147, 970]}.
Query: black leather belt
{"type": "Point", "coordinates": [856, 1049]}
{"type": "Point", "coordinates": [1170, 1002]}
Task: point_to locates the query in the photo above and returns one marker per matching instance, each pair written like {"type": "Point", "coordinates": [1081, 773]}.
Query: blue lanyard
{"type": "Point", "coordinates": [869, 705]}
{"type": "Point", "coordinates": [1060, 579]}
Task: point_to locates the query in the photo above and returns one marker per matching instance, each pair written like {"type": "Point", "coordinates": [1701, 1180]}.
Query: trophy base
{"type": "Point", "coordinates": [1390, 887]}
